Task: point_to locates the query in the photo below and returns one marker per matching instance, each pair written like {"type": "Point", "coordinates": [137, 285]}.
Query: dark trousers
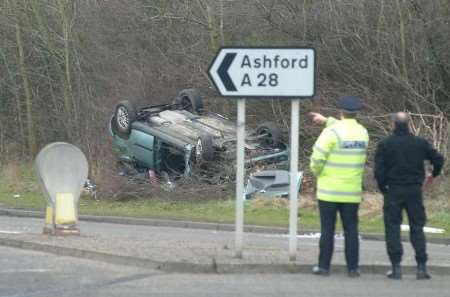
{"type": "Point", "coordinates": [349, 216]}
{"type": "Point", "coordinates": [397, 198]}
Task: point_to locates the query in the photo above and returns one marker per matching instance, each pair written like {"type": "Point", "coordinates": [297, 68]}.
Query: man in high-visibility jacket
{"type": "Point", "coordinates": [337, 161]}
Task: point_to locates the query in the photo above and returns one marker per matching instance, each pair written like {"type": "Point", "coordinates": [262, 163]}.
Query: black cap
{"type": "Point", "coordinates": [350, 103]}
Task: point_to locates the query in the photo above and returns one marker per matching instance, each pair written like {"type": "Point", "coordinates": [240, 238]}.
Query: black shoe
{"type": "Point", "coordinates": [320, 271]}
{"type": "Point", "coordinates": [396, 272]}
{"type": "Point", "coordinates": [354, 273]}
{"type": "Point", "coordinates": [422, 272]}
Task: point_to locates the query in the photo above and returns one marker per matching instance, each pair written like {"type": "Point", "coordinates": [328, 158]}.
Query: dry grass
{"type": "Point", "coordinates": [371, 205]}
{"type": "Point", "coordinates": [11, 174]}
{"type": "Point", "coordinates": [17, 177]}
{"type": "Point", "coordinates": [437, 197]}
{"type": "Point", "coordinates": [258, 202]}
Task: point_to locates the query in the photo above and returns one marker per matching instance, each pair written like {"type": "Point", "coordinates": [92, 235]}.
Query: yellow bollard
{"type": "Point", "coordinates": [65, 209]}
{"type": "Point", "coordinates": [49, 216]}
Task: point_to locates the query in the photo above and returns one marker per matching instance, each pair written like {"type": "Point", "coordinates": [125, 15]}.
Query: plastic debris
{"type": "Point", "coordinates": [425, 229]}
{"type": "Point", "coordinates": [270, 183]}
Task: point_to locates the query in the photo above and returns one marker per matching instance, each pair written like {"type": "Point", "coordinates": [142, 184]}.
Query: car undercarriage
{"type": "Point", "coordinates": [179, 137]}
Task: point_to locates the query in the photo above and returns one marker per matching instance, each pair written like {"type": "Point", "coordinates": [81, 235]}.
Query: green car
{"type": "Point", "coordinates": [174, 137]}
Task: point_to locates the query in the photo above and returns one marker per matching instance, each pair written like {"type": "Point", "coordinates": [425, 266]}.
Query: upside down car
{"type": "Point", "coordinates": [174, 137]}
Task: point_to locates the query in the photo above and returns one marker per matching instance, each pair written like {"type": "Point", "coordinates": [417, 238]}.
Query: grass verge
{"type": "Point", "coordinates": [222, 211]}
{"type": "Point", "coordinates": [19, 190]}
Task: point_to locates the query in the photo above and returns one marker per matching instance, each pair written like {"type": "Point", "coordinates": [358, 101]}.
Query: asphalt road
{"type": "Point", "coordinates": [27, 273]}
{"type": "Point", "coordinates": [141, 237]}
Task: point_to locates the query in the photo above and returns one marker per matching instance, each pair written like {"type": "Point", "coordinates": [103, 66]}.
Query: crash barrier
{"type": "Point", "coordinates": [62, 170]}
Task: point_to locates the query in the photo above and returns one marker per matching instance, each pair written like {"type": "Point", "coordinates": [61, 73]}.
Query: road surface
{"type": "Point", "coordinates": [28, 273]}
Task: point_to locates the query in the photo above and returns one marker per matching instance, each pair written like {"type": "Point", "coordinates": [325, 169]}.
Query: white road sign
{"type": "Point", "coordinates": [264, 72]}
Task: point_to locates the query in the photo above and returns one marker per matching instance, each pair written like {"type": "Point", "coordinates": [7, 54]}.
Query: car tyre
{"type": "Point", "coordinates": [125, 114]}
{"type": "Point", "coordinates": [190, 100]}
{"type": "Point", "coordinates": [272, 134]}
{"type": "Point", "coordinates": [204, 149]}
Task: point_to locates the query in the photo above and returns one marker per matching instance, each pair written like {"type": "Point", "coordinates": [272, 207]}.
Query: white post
{"type": "Point", "coordinates": [293, 192]}
{"type": "Point", "coordinates": [239, 224]}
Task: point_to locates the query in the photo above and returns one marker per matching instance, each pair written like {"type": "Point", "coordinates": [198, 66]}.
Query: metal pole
{"type": "Point", "coordinates": [239, 224]}
{"type": "Point", "coordinates": [293, 192]}
{"type": "Point", "coordinates": [54, 214]}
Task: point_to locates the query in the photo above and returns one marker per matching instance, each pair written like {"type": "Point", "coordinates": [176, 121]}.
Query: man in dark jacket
{"type": "Point", "coordinates": [400, 173]}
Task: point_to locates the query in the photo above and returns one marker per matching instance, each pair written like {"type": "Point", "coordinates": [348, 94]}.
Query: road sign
{"type": "Point", "coordinates": [264, 72]}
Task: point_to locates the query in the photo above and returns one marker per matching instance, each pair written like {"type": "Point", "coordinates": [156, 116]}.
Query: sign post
{"type": "Point", "coordinates": [293, 192]}
{"type": "Point", "coordinates": [259, 72]}
{"type": "Point", "coordinates": [240, 175]}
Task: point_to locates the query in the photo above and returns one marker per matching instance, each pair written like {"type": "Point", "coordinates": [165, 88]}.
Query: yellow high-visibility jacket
{"type": "Point", "coordinates": [338, 160]}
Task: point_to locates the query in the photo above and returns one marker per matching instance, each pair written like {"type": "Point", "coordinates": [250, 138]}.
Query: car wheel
{"type": "Point", "coordinates": [190, 100]}
{"type": "Point", "coordinates": [204, 150]}
{"type": "Point", "coordinates": [124, 115]}
{"type": "Point", "coordinates": [270, 134]}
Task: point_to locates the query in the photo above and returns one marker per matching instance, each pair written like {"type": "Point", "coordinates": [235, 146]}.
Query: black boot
{"type": "Point", "coordinates": [354, 273]}
{"type": "Point", "coordinates": [320, 271]}
{"type": "Point", "coordinates": [422, 272]}
{"type": "Point", "coordinates": [396, 272]}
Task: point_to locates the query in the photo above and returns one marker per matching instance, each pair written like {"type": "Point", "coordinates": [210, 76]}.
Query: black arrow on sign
{"type": "Point", "coordinates": [223, 72]}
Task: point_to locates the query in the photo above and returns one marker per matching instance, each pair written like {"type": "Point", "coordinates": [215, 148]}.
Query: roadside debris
{"type": "Point", "coordinates": [90, 188]}
{"type": "Point", "coordinates": [425, 229]}
{"type": "Point", "coordinates": [270, 183]}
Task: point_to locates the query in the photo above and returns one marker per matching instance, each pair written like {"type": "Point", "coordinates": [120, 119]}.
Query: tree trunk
{"type": "Point", "coordinates": [31, 137]}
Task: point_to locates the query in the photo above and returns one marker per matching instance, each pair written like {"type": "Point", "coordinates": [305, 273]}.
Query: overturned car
{"type": "Point", "coordinates": [176, 137]}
